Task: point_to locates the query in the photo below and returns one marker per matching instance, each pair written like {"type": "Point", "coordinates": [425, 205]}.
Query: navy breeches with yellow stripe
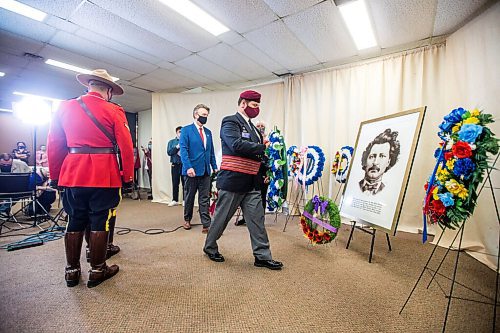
{"type": "Point", "coordinates": [94, 206]}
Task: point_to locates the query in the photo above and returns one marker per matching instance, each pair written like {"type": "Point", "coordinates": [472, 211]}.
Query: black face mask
{"type": "Point", "coordinates": [6, 168]}
{"type": "Point", "coordinates": [202, 120]}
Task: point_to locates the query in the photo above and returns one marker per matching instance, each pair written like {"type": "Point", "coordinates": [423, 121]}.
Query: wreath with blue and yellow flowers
{"type": "Point", "coordinates": [461, 162]}
{"type": "Point", "coordinates": [341, 163]}
{"type": "Point", "coordinates": [306, 165]}
{"type": "Point", "coordinates": [277, 172]}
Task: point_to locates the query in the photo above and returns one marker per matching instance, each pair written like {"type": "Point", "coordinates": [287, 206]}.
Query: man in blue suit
{"type": "Point", "coordinates": [197, 156]}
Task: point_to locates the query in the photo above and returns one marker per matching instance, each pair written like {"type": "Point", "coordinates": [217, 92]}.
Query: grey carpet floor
{"type": "Point", "coordinates": [167, 284]}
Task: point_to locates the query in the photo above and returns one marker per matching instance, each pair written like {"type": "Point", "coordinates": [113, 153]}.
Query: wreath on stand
{"type": "Point", "coordinates": [305, 165]}
{"type": "Point", "coordinates": [277, 172]}
{"type": "Point", "coordinates": [461, 161]}
{"type": "Point", "coordinates": [320, 212]}
{"type": "Point", "coordinates": [341, 163]}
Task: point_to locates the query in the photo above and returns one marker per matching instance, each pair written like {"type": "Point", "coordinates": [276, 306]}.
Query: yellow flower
{"type": "Point", "coordinates": [456, 189]}
{"type": "Point", "coordinates": [443, 175]}
{"type": "Point", "coordinates": [450, 163]}
{"type": "Point", "coordinates": [471, 120]}
{"type": "Point", "coordinates": [456, 128]}
{"type": "Point", "coordinates": [435, 193]}
{"type": "Point", "coordinates": [475, 113]}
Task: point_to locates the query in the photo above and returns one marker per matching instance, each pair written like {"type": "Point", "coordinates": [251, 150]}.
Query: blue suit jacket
{"type": "Point", "coordinates": [193, 154]}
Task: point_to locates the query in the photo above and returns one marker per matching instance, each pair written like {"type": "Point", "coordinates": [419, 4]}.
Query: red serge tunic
{"type": "Point", "coordinates": [71, 127]}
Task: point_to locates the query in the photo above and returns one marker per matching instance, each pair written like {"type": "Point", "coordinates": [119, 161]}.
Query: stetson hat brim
{"type": "Point", "coordinates": [102, 76]}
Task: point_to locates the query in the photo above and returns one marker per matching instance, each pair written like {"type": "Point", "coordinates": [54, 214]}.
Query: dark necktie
{"type": "Point", "coordinates": [253, 129]}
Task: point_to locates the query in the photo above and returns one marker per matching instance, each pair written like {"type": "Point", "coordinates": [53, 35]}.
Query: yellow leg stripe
{"type": "Point", "coordinates": [110, 214]}
{"type": "Point", "coordinates": [114, 212]}
{"type": "Point", "coordinates": [120, 194]}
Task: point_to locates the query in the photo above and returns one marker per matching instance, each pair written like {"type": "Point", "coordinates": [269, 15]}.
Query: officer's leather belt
{"type": "Point", "coordinates": [91, 150]}
{"type": "Point", "coordinates": [240, 164]}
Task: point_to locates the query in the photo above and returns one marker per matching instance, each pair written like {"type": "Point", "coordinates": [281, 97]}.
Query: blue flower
{"type": "Point", "coordinates": [455, 115]}
{"type": "Point", "coordinates": [464, 167]}
{"type": "Point", "coordinates": [446, 126]}
{"type": "Point", "coordinates": [437, 152]}
{"type": "Point", "coordinates": [446, 199]}
{"type": "Point", "coordinates": [470, 132]}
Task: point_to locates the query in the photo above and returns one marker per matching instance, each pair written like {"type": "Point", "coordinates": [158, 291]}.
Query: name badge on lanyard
{"type": "Point", "coordinates": [246, 135]}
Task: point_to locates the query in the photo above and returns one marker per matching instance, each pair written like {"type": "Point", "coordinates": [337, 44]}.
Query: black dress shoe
{"type": "Point", "coordinates": [217, 257]}
{"type": "Point", "coordinates": [271, 264]}
{"type": "Point", "coordinates": [240, 222]}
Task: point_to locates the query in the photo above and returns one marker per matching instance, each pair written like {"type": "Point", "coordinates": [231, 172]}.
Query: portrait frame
{"type": "Point", "coordinates": [379, 206]}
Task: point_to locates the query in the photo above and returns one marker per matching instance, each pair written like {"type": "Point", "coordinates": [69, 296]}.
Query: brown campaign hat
{"type": "Point", "coordinates": [102, 76]}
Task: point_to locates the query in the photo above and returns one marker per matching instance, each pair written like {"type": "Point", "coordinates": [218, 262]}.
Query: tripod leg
{"type": "Point", "coordinates": [453, 279]}
{"type": "Point", "coordinates": [388, 241]}
{"type": "Point", "coordinates": [421, 273]}
{"type": "Point", "coordinates": [350, 235]}
{"type": "Point", "coordinates": [444, 257]}
{"type": "Point", "coordinates": [371, 247]}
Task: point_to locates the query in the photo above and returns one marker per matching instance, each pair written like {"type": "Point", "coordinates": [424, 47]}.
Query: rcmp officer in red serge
{"type": "Point", "coordinates": [83, 160]}
{"type": "Point", "coordinates": [238, 182]}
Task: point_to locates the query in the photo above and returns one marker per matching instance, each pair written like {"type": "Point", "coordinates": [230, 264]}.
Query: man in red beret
{"type": "Point", "coordinates": [239, 182]}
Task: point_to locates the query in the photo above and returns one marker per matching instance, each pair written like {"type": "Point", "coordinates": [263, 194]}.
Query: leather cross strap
{"type": "Point", "coordinates": [95, 121]}
{"type": "Point", "coordinates": [91, 150]}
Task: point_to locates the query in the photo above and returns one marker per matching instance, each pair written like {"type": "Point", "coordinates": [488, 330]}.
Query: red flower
{"type": "Point", "coordinates": [448, 155]}
{"type": "Point", "coordinates": [315, 232]}
{"type": "Point", "coordinates": [310, 235]}
{"type": "Point", "coordinates": [327, 237]}
{"type": "Point", "coordinates": [461, 149]}
{"type": "Point", "coordinates": [437, 207]}
{"type": "Point", "coordinates": [318, 239]}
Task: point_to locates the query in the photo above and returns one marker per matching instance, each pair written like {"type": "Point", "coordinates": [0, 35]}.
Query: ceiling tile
{"type": "Point", "coordinates": [231, 37]}
{"type": "Point", "coordinates": [61, 24]}
{"type": "Point", "coordinates": [450, 14]}
{"type": "Point", "coordinates": [164, 79]}
{"type": "Point", "coordinates": [62, 9]}
{"type": "Point", "coordinates": [24, 26]}
{"type": "Point", "coordinates": [402, 21]}
{"type": "Point", "coordinates": [117, 46]}
{"type": "Point", "coordinates": [286, 7]}
{"type": "Point", "coordinates": [93, 50]}
{"type": "Point", "coordinates": [280, 44]}
{"type": "Point", "coordinates": [16, 44]}
{"type": "Point", "coordinates": [241, 16]}
{"type": "Point", "coordinates": [259, 57]}
{"type": "Point", "coordinates": [159, 19]}
{"type": "Point", "coordinates": [207, 69]}
{"type": "Point", "coordinates": [321, 29]}
{"type": "Point", "coordinates": [195, 76]}
{"type": "Point", "coordinates": [114, 27]}
{"type": "Point", "coordinates": [56, 53]}
{"type": "Point", "coordinates": [232, 60]}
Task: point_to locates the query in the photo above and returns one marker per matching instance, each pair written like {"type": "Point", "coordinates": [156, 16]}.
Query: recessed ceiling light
{"type": "Point", "coordinates": [2, 74]}
{"type": "Point", "coordinates": [197, 15]}
{"type": "Point", "coordinates": [72, 67]}
{"type": "Point", "coordinates": [23, 9]}
{"type": "Point", "coordinates": [355, 15]}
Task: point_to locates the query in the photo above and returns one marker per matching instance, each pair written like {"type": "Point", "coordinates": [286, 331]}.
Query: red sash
{"type": "Point", "coordinates": [240, 164]}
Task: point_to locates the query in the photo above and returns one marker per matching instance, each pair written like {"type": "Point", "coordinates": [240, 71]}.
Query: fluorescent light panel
{"type": "Point", "coordinates": [23, 9]}
{"type": "Point", "coordinates": [355, 15]}
{"type": "Point", "coordinates": [36, 96]}
{"type": "Point", "coordinates": [72, 67]}
{"type": "Point", "coordinates": [196, 15]}
{"type": "Point", "coordinates": [5, 110]}
{"type": "Point", "coordinates": [2, 74]}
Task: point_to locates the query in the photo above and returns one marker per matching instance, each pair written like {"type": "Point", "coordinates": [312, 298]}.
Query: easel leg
{"type": "Point", "coordinates": [296, 203]}
{"type": "Point", "coordinates": [350, 235]}
{"type": "Point", "coordinates": [422, 273]}
{"type": "Point", "coordinates": [371, 247]}
{"type": "Point", "coordinates": [453, 279]}
{"type": "Point", "coordinates": [388, 241]}
{"type": "Point", "coordinates": [498, 256]}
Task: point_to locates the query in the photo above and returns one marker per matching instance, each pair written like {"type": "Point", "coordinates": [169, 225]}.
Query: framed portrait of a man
{"type": "Point", "coordinates": [380, 169]}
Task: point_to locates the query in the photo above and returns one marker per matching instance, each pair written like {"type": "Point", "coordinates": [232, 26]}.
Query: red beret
{"type": "Point", "coordinates": [250, 95]}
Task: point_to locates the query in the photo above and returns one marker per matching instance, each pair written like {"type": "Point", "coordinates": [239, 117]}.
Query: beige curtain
{"type": "Point", "coordinates": [172, 110]}
{"type": "Point", "coordinates": [325, 109]}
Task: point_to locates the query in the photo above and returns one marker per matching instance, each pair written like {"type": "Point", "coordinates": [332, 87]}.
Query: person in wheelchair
{"type": "Point", "coordinates": [10, 165]}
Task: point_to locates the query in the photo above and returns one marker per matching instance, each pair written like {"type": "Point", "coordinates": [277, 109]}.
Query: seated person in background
{"type": "Point", "coordinates": [45, 195]}
{"type": "Point", "coordinates": [21, 153]}
{"type": "Point", "coordinates": [41, 157]}
{"type": "Point", "coordinates": [8, 164]}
